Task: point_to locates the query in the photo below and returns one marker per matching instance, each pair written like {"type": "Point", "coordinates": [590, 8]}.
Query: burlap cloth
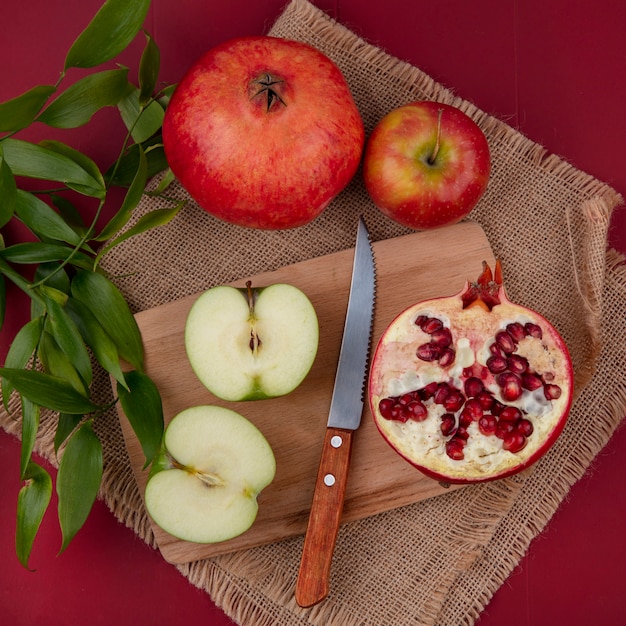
{"type": "Point", "coordinates": [441, 560]}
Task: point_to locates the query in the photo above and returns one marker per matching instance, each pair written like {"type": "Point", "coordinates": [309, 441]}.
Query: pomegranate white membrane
{"type": "Point", "coordinates": [471, 387]}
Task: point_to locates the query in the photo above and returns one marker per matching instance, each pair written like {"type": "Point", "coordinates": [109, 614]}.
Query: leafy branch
{"type": "Point", "coordinates": [79, 318]}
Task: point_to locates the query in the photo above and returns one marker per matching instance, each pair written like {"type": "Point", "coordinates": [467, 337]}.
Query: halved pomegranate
{"type": "Point", "coordinates": [471, 387]}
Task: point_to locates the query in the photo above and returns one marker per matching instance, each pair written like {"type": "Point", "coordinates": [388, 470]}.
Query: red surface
{"type": "Point", "coordinates": [555, 70]}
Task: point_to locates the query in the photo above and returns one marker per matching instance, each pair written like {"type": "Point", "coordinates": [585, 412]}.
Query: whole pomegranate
{"type": "Point", "coordinates": [471, 387]}
{"type": "Point", "coordinates": [263, 132]}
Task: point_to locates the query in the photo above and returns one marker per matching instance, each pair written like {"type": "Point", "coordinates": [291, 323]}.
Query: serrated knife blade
{"type": "Point", "coordinates": [344, 418]}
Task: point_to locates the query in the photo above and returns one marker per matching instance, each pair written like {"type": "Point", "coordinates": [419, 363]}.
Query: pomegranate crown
{"type": "Point", "coordinates": [485, 290]}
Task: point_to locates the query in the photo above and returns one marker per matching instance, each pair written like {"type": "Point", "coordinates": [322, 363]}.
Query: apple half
{"type": "Point", "coordinates": [204, 482]}
{"type": "Point", "coordinates": [251, 343]}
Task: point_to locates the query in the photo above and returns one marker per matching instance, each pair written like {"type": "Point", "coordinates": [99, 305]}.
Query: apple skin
{"type": "Point", "coordinates": [257, 156]}
{"type": "Point", "coordinates": [204, 482]}
{"type": "Point", "coordinates": [403, 182]}
{"type": "Point", "coordinates": [251, 343]}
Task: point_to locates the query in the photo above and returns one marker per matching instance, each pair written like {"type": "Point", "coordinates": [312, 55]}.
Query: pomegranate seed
{"type": "Point", "coordinates": [417, 411]}
{"type": "Point", "coordinates": [406, 399]}
{"type": "Point", "coordinates": [517, 364]}
{"type": "Point", "coordinates": [442, 393]}
{"type": "Point", "coordinates": [461, 433]}
{"type": "Point", "coordinates": [505, 341]}
{"type": "Point", "coordinates": [487, 425]}
{"type": "Point", "coordinates": [453, 401]}
{"type": "Point", "coordinates": [514, 442]}
{"type": "Point", "coordinates": [454, 449]}
{"type": "Point", "coordinates": [533, 330]}
{"type": "Point", "coordinates": [448, 424]}
{"type": "Point", "coordinates": [496, 364]}
{"type": "Point", "coordinates": [426, 393]}
{"type": "Point", "coordinates": [552, 392]}
{"type": "Point", "coordinates": [511, 385]}
{"type": "Point", "coordinates": [486, 400]}
{"type": "Point", "coordinates": [517, 331]}
{"type": "Point", "coordinates": [495, 349]}
{"type": "Point", "coordinates": [431, 325]}
{"type": "Point", "coordinates": [385, 406]}
{"type": "Point", "coordinates": [420, 319]}
{"type": "Point", "coordinates": [447, 357]}
{"type": "Point", "coordinates": [428, 352]}
{"type": "Point", "coordinates": [525, 426]}
{"type": "Point", "coordinates": [510, 414]}
{"type": "Point", "coordinates": [442, 337]}
{"type": "Point", "coordinates": [465, 419]}
{"type": "Point", "coordinates": [496, 407]}
{"type": "Point", "coordinates": [473, 386]}
{"type": "Point", "coordinates": [474, 409]}
{"type": "Point", "coordinates": [531, 381]}
{"type": "Point", "coordinates": [503, 429]}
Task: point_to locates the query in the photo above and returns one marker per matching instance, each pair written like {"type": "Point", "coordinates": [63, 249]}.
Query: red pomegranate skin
{"type": "Point", "coordinates": [268, 156]}
{"type": "Point", "coordinates": [464, 454]}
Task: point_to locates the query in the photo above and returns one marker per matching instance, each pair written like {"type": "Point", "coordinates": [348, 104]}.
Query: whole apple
{"type": "Point", "coordinates": [426, 164]}
{"type": "Point", "coordinates": [263, 132]}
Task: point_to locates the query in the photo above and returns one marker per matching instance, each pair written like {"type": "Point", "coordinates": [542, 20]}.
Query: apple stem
{"type": "Point", "coordinates": [433, 157]}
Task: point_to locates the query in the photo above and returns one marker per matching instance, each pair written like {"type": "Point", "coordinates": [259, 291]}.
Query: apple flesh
{"type": "Point", "coordinates": [426, 165]}
{"type": "Point", "coordinates": [252, 343]}
{"type": "Point", "coordinates": [263, 132]}
{"type": "Point", "coordinates": [204, 483]}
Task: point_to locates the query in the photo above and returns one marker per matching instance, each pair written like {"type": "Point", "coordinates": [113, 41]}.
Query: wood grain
{"type": "Point", "coordinates": [409, 269]}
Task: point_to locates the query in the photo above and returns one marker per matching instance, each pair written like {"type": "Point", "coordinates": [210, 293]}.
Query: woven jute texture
{"type": "Point", "coordinates": [438, 561]}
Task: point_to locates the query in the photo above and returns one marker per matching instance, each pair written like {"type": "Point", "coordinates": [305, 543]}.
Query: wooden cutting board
{"type": "Point", "coordinates": [409, 269]}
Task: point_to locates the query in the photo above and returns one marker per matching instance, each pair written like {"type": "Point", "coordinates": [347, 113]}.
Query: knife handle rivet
{"type": "Point", "coordinates": [336, 441]}
{"type": "Point", "coordinates": [329, 480]}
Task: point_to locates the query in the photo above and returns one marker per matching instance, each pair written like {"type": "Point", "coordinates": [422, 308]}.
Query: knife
{"type": "Point", "coordinates": [344, 418]}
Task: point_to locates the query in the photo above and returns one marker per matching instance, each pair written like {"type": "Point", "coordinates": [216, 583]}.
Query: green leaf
{"type": "Point", "coordinates": [77, 104]}
{"type": "Point", "coordinates": [21, 351]}
{"type": "Point", "coordinates": [55, 280]}
{"type": "Point", "coordinates": [32, 503]}
{"type": "Point", "coordinates": [110, 308]}
{"type": "Point", "coordinates": [143, 408]}
{"type": "Point", "coordinates": [19, 112]}
{"type": "Point", "coordinates": [49, 391]}
{"type": "Point", "coordinates": [131, 200]}
{"type": "Point", "coordinates": [122, 174]}
{"type": "Point", "coordinates": [56, 363]}
{"type": "Point", "coordinates": [8, 191]}
{"type": "Point", "coordinates": [30, 426]}
{"type": "Point", "coordinates": [43, 220]}
{"type": "Point", "coordinates": [96, 338]}
{"type": "Point", "coordinates": [65, 426]}
{"type": "Point", "coordinates": [142, 123]}
{"type": "Point", "coordinates": [157, 217]}
{"type": "Point", "coordinates": [78, 480]}
{"type": "Point", "coordinates": [69, 212]}
{"type": "Point", "coordinates": [38, 252]}
{"type": "Point", "coordinates": [3, 300]}
{"type": "Point", "coordinates": [62, 328]}
{"type": "Point", "coordinates": [16, 278]}
{"type": "Point", "coordinates": [168, 178]}
{"type": "Point", "coordinates": [81, 159]}
{"type": "Point", "coordinates": [33, 161]}
{"type": "Point", "coordinates": [109, 32]}
{"type": "Point", "coordinates": [148, 70]}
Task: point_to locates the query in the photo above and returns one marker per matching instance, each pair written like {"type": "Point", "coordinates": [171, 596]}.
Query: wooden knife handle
{"type": "Point", "coordinates": [321, 534]}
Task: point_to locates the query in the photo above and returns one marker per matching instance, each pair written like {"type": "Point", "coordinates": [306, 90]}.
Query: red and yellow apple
{"type": "Point", "coordinates": [263, 132]}
{"type": "Point", "coordinates": [426, 164]}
